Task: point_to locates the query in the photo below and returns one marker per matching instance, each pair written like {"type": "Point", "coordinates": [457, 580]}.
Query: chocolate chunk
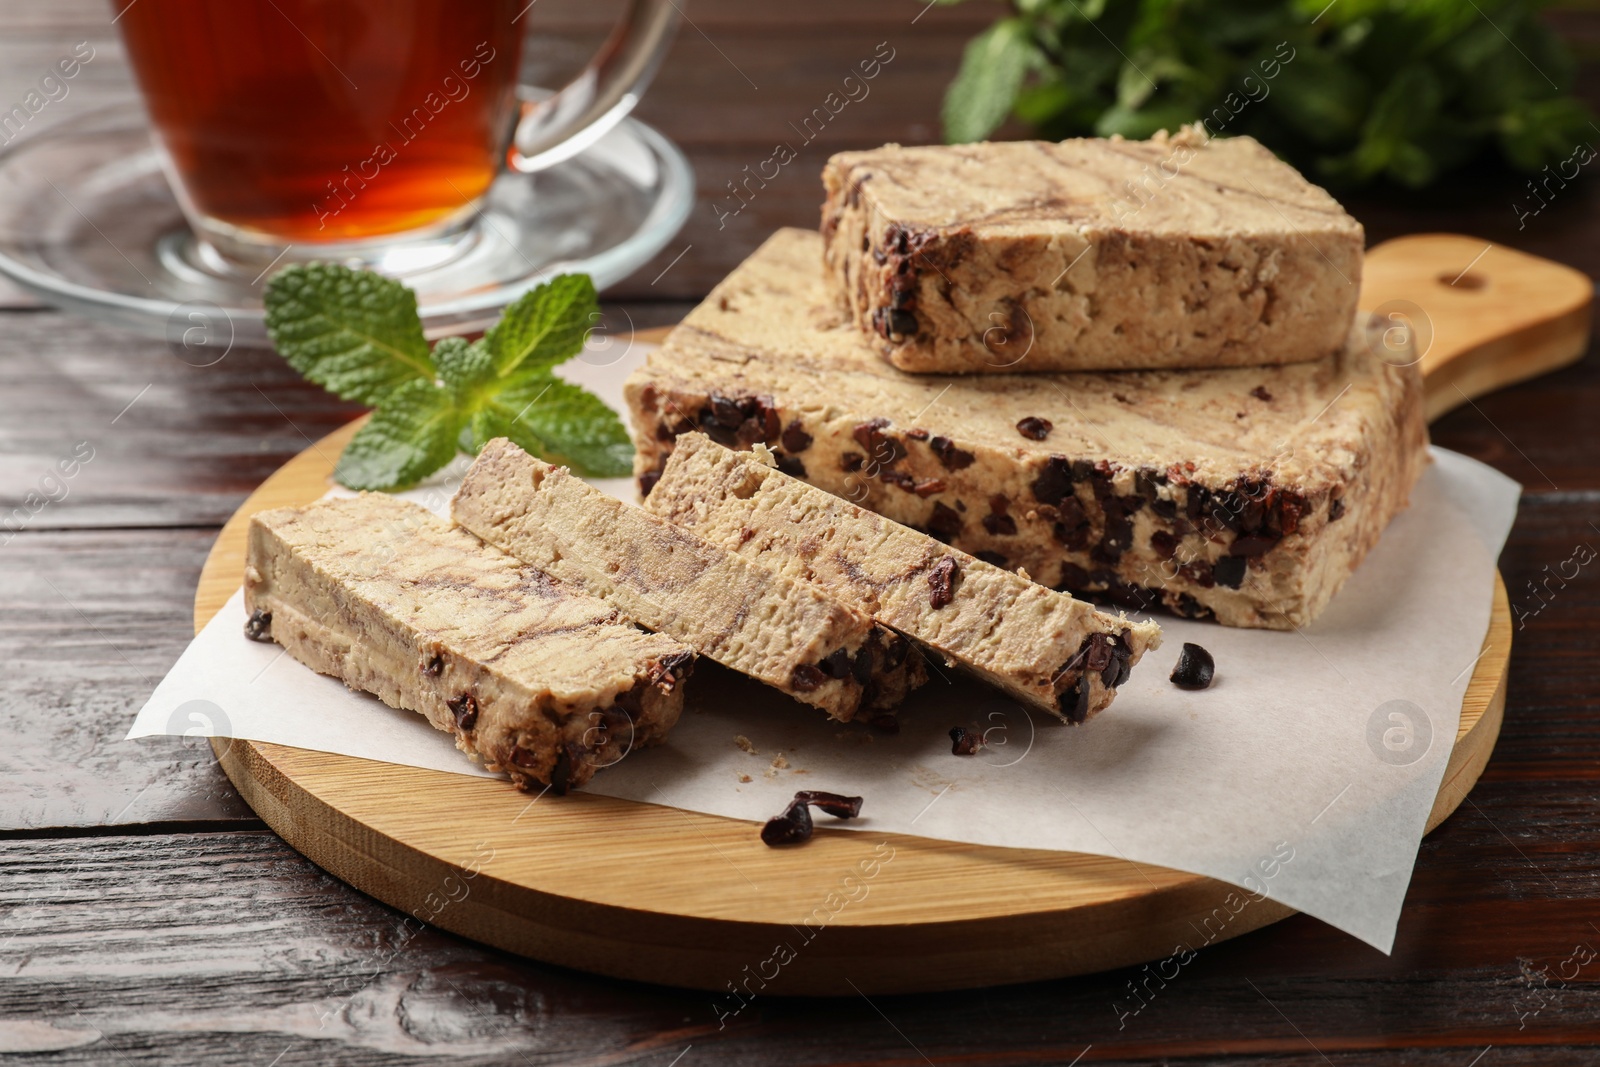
{"type": "Point", "coordinates": [1116, 672]}
{"type": "Point", "coordinates": [1000, 525]}
{"type": "Point", "coordinates": [837, 664]}
{"type": "Point", "coordinates": [928, 487]}
{"type": "Point", "coordinates": [465, 709]}
{"type": "Point", "coordinates": [1249, 545]}
{"type": "Point", "coordinates": [725, 411]}
{"type": "Point", "coordinates": [835, 804]}
{"type": "Point", "coordinates": [884, 449]}
{"type": "Point", "coordinates": [942, 582]}
{"type": "Point", "coordinates": [917, 434]}
{"type": "Point", "coordinates": [994, 558]}
{"type": "Point", "coordinates": [896, 653]}
{"type": "Point", "coordinates": [1199, 572]}
{"type": "Point", "coordinates": [1260, 393]}
{"type": "Point", "coordinates": [1074, 579]}
{"type": "Point", "coordinates": [1164, 544]}
{"type": "Point", "coordinates": [791, 466]}
{"type": "Point", "coordinates": [1074, 701]}
{"type": "Point", "coordinates": [1190, 608]}
{"type": "Point", "coordinates": [861, 668]}
{"type": "Point", "coordinates": [561, 776]}
{"type": "Point", "coordinates": [898, 478]}
{"type": "Point", "coordinates": [851, 461]}
{"type": "Point", "coordinates": [1054, 482]}
{"type": "Point", "coordinates": [1098, 656]}
{"type": "Point", "coordinates": [1195, 668]}
{"type": "Point", "coordinates": [1227, 507]}
{"type": "Point", "coordinates": [647, 482]}
{"type": "Point", "coordinates": [433, 666]}
{"type": "Point", "coordinates": [1229, 571]}
{"type": "Point", "coordinates": [964, 742]}
{"type": "Point", "coordinates": [945, 524]}
{"type": "Point", "coordinates": [1074, 529]}
{"type": "Point", "coordinates": [1336, 510]}
{"type": "Point", "coordinates": [1287, 508]}
{"type": "Point", "coordinates": [795, 438]}
{"type": "Point", "coordinates": [894, 324]}
{"type": "Point", "coordinates": [953, 458]}
{"type": "Point", "coordinates": [806, 677]}
{"type": "Point", "coordinates": [1035, 429]}
{"type": "Point", "coordinates": [794, 825]}
{"type": "Point", "coordinates": [258, 627]}
{"type": "Point", "coordinates": [1147, 483]}
{"type": "Point", "coordinates": [673, 670]}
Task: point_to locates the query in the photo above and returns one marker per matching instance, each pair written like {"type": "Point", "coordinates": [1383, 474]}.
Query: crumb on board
{"type": "Point", "coordinates": [745, 778]}
{"type": "Point", "coordinates": [779, 762]}
{"type": "Point", "coordinates": [744, 742]}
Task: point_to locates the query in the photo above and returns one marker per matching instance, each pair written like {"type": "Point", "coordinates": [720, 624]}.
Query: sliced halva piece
{"type": "Point", "coordinates": [1089, 255]}
{"type": "Point", "coordinates": [736, 611]}
{"type": "Point", "coordinates": [528, 675]}
{"type": "Point", "coordinates": [1038, 645]}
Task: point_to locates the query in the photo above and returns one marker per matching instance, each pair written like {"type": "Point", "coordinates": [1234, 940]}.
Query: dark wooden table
{"type": "Point", "coordinates": [146, 916]}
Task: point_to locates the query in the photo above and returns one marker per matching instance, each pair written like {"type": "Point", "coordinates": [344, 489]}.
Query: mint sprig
{"type": "Point", "coordinates": [358, 335]}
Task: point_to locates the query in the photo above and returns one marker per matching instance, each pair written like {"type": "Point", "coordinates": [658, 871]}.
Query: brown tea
{"type": "Point", "coordinates": [328, 120]}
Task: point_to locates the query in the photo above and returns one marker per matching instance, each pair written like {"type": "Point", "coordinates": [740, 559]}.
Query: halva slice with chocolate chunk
{"type": "Point", "coordinates": [1249, 494]}
{"type": "Point", "coordinates": [734, 610]}
{"type": "Point", "coordinates": [1038, 645]}
{"type": "Point", "coordinates": [531, 677]}
{"type": "Point", "coordinates": [1089, 255]}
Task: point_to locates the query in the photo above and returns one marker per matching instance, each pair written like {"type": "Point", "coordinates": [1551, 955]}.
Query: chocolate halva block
{"type": "Point", "coordinates": [1247, 494]}
{"type": "Point", "coordinates": [734, 610]}
{"type": "Point", "coordinates": [1089, 255]}
{"type": "Point", "coordinates": [1040, 646]}
{"type": "Point", "coordinates": [530, 677]}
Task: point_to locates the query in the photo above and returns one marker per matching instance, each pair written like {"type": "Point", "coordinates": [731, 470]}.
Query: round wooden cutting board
{"type": "Point", "coordinates": [664, 895]}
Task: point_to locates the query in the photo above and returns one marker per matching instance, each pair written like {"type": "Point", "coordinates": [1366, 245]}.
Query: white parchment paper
{"type": "Point", "coordinates": [1325, 745]}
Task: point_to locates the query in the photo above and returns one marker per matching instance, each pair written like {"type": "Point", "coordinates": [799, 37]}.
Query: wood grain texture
{"type": "Point", "coordinates": [231, 949]}
{"type": "Point", "coordinates": [89, 623]}
{"type": "Point", "coordinates": [1480, 317]}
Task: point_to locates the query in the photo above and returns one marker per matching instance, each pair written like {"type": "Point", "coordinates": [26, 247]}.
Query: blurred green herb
{"type": "Point", "coordinates": [358, 335]}
{"type": "Point", "coordinates": [1351, 91]}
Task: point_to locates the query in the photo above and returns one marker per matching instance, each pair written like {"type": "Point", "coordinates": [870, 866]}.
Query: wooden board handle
{"type": "Point", "coordinates": [1485, 315]}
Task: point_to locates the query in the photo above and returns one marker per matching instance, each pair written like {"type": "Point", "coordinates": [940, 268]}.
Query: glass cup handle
{"type": "Point", "coordinates": [560, 126]}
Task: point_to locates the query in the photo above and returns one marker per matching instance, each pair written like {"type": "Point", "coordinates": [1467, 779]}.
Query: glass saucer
{"type": "Point", "coordinates": [88, 223]}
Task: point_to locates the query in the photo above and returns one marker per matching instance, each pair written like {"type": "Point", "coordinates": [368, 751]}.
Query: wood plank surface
{"type": "Point", "coordinates": [229, 948]}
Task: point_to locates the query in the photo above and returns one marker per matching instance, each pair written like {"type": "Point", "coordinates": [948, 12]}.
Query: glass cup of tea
{"type": "Point", "coordinates": [364, 132]}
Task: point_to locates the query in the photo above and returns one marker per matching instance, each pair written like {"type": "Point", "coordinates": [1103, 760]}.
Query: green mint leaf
{"type": "Point", "coordinates": [560, 422]}
{"type": "Point", "coordinates": [992, 69]}
{"type": "Point", "coordinates": [543, 327]}
{"type": "Point", "coordinates": [412, 435]}
{"type": "Point", "coordinates": [465, 366]}
{"type": "Point", "coordinates": [355, 333]}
